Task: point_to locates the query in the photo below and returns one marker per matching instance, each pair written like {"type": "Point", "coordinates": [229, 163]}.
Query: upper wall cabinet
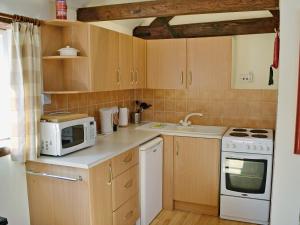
{"type": "Point", "coordinates": [61, 73]}
{"type": "Point", "coordinates": [139, 62]}
{"type": "Point", "coordinates": [108, 60]}
{"type": "Point", "coordinates": [189, 63]}
{"type": "Point", "coordinates": [104, 61]}
{"type": "Point", "coordinates": [166, 64]}
{"type": "Point", "coordinates": [209, 63]}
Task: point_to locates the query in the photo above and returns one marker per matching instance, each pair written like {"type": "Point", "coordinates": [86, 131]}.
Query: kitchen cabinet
{"type": "Point", "coordinates": [208, 62]}
{"type": "Point", "coordinates": [94, 196]}
{"type": "Point", "coordinates": [104, 61]}
{"type": "Point", "coordinates": [196, 63]}
{"type": "Point", "coordinates": [139, 63]}
{"type": "Point", "coordinates": [197, 173]}
{"type": "Point", "coordinates": [108, 60]}
{"type": "Point", "coordinates": [126, 61]}
{"type": "Point", "coordinates": [64, 73]}
{"type": "Point", "coordinates": [166, 64]}
{"type": "Point", "coordinates": [191, 174]}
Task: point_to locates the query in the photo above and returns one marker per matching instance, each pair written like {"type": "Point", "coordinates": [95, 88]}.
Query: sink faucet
{"type": "Point", "coordinates": [186, 121]}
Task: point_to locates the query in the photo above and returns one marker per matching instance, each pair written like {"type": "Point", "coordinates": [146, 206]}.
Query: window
{"type": "Point", "coordinates": [4, 87]}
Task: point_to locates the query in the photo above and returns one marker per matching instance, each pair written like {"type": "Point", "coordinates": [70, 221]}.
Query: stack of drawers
{"type": "Point", "coordinates": [125, 188]}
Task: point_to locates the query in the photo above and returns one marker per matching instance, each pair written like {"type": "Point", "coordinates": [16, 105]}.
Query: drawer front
{"type": "Point", "coordinates": [124, 161]}
{"type": "Point", "coordinates": [125, 186]}
{"type": "Point", "coordinates": [128, 213]}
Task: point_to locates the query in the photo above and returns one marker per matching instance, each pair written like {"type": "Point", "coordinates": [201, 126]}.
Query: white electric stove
{"type": "Point", "coordinates": [247, 158]}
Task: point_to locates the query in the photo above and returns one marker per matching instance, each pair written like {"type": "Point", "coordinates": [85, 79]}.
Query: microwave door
{"type": "Point", "coordinates": [72, 136]}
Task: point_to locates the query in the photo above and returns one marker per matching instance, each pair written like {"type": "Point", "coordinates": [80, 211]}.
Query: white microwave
{"type": "Point", "coordinates": [61, 138]}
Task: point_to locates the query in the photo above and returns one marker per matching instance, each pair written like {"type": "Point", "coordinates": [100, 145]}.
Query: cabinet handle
{"type": "Point", "coordinates": [132, 77]}
{"type": "Point", "coordinates": [79, 178]}
{"type": "Point", "coordinates": [128, 158]}
{"type": "Point", "coordinates": [128, 215]}
{"type": "Point", "coordinates": [110, 175]}
{"type": "Point", "coordinates": [136, 76]}
{"type": "Point", "coordinates": [181, 77]}
{"type": "Point", "coordinates": [128, 184]}
{"type": "Point", "coordinates": [177, 148]}
{"type": "Point", "coordinates": [118, 76]}
{"type": "Point", "coordinates": [191, 78]}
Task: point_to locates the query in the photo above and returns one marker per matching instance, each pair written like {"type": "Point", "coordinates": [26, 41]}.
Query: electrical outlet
{"type": "Point", "coordinates": [46, 99]}
{"type": "Point", "coordinates": [247, 77]}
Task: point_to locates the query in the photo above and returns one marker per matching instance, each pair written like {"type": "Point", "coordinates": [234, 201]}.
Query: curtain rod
{"type": "Point", "coordinates": [7, 18]}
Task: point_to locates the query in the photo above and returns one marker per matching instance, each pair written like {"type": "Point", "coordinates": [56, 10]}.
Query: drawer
{"type": "Point", "coordinates": [128, 214]}
{"type": "Point", "coordinates": [124, 161]}
{"type": "Point", "coordinates": [125, 186]}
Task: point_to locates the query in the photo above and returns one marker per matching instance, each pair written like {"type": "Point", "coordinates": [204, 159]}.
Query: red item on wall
{"type": "Point", "coordinates": [275, 64]}
{"type": "Point", "coordinates": [297, 129]}
{"type": "Point", "coordinates": [276, 52]}
{"type": "Point", "coordinates": [61, 9]}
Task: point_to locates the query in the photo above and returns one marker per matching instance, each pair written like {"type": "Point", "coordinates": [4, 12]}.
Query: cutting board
{"type": "Point", "coordinates": [62, 117]}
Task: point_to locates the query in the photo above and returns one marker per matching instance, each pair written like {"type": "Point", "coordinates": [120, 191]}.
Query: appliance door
{"type": "Point", "coordinates": [73, 136]}
{"type": "Point", "coordinates": [151, 169]}
{"type": "Point", "coordinates": [246, 175]}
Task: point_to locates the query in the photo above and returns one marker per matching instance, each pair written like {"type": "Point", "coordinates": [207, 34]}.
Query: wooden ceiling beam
{"type": "Point", "coordinates": [166, 8]}
{"type": "Point", "coordinates": [224, 28]}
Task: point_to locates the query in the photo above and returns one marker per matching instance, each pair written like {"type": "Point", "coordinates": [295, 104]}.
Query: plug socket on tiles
{"type": "Point", "coordinates": [247, 77]}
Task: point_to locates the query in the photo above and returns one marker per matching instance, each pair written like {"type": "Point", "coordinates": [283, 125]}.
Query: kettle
{"type": "Point", "coordinates": [106, 119]}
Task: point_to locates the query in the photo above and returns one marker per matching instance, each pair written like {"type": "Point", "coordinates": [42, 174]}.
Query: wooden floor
{"type": "Point", "coordinates": [186, 218]}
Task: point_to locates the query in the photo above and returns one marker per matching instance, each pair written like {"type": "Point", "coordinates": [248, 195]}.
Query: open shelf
{"type": "Point", "coordinates": [63, 92]}
{"type": "Point", "coordinates": [61, 23]}
{"type": "Point", "coordinates": [57, 57]}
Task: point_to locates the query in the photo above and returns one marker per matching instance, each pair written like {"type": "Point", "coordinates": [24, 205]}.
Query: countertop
{"type": "Point", "coordinates": [106, 147]}
{"type": "Point", "coordinates": [109, 146]}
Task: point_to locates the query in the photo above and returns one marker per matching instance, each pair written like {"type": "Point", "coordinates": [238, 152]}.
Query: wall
{"type": "Point", "coordinates": [41, 9]}
{"type": "Point", "coordinates": [253, 53]}
{"type": "Point", "coordinates": [241, 108]}
{"type": "Point", "coordinates": [90, 103]}
{"type": "Point", "coordinates": [286, 184]}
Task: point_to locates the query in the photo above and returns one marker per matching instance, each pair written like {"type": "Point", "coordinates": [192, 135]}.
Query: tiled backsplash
{"type": "Point", "coordinates": [240, 108]}
{"type": "Point", "coordinates": [90, 103]}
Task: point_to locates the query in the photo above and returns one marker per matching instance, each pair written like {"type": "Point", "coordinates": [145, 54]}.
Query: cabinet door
{"type": "Point", "coordinates": [54, 201]}
{"type": "Point", "coordinates": [104, 58]}
{"type": "Point", "coordinates": [209, 63]}
{"type": "Point", "coordinates": [101, 193]}
{"type": "Point", "coordinates": [126, 62]}
{"type": "Point", "coordinates": [139, 62]}
{"type": "Point", "coordinates": [196, 170]}
{"type": "Point", "coordinates": [166, 64]}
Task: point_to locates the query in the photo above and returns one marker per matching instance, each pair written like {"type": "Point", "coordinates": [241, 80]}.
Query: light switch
{"type": "Point", "coordinates": [46, 99]}
{"type": "Point", "coordinates": [247, 77]}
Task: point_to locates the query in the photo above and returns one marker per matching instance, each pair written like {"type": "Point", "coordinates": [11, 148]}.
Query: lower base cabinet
{"type": "Point", "coordinates": [191, 178]}
{"type": "Point", "coordinates": [60, 195]}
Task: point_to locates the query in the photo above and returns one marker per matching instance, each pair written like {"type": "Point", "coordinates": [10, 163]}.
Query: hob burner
{"type": "Point", "coordinates": [259, 136]}
{"type": "Point", "coordinates": [239, 130]}
{"type": "Point", "coordinates": [236, 134]}
{"type": "Point", "coordinates": [259, 131]}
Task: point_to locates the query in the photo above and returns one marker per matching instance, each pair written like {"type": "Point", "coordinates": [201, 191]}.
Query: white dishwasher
{"type": "Point", "coordinates": [151, 178]}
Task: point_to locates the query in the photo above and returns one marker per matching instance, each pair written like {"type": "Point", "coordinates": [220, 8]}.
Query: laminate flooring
{"type": "Point", "coordinates": [167, 217]}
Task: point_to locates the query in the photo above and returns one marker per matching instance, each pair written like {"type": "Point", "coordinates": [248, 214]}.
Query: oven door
{"type": "Point", "coordinates": [246, 175]}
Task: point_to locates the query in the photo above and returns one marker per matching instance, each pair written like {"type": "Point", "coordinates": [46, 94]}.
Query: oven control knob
{"type": "Point", "coordinates": [233, 145]}
{"type": "Point", "coordinates": [261, 148]}
{"type": "Point", "coordinates": [248, 147]}
{"type": "Point", "coordinates": [254, 147]}
{"type": "Point", "coordinates": [227, 145]}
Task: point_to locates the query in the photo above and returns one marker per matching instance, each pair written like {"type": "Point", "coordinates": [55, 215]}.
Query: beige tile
{"type": "Point", "coordinates": [159, 117]}
{"type": "Point", "coordinates": [73, 101]}
{"type": "Point", "coordinates": [170, 94]}
{"type": "Point", "coordinates": [159, 105]}
{"type": "Point", "coordinates": [159, 94]}
{"type": "Point", "coordinates": [148, 93]}
{"type": "Point", "coordinates": [170, 105]}
{"type": "Point", "coordinates": [181, 106]}
{"type": "Point", "coordinates": [61, 102]}
{"type": "Point", "coordinates": [180, 94]}
{"type": "Point", "coordinates": [170, 117]}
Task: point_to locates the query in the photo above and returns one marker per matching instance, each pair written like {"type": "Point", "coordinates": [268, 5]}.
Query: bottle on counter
{"type": "Point", "coordinates": [61, 9]}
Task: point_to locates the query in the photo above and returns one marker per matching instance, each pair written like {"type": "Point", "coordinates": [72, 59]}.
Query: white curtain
{"type": "Point", "coordinates": [26, 86]}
